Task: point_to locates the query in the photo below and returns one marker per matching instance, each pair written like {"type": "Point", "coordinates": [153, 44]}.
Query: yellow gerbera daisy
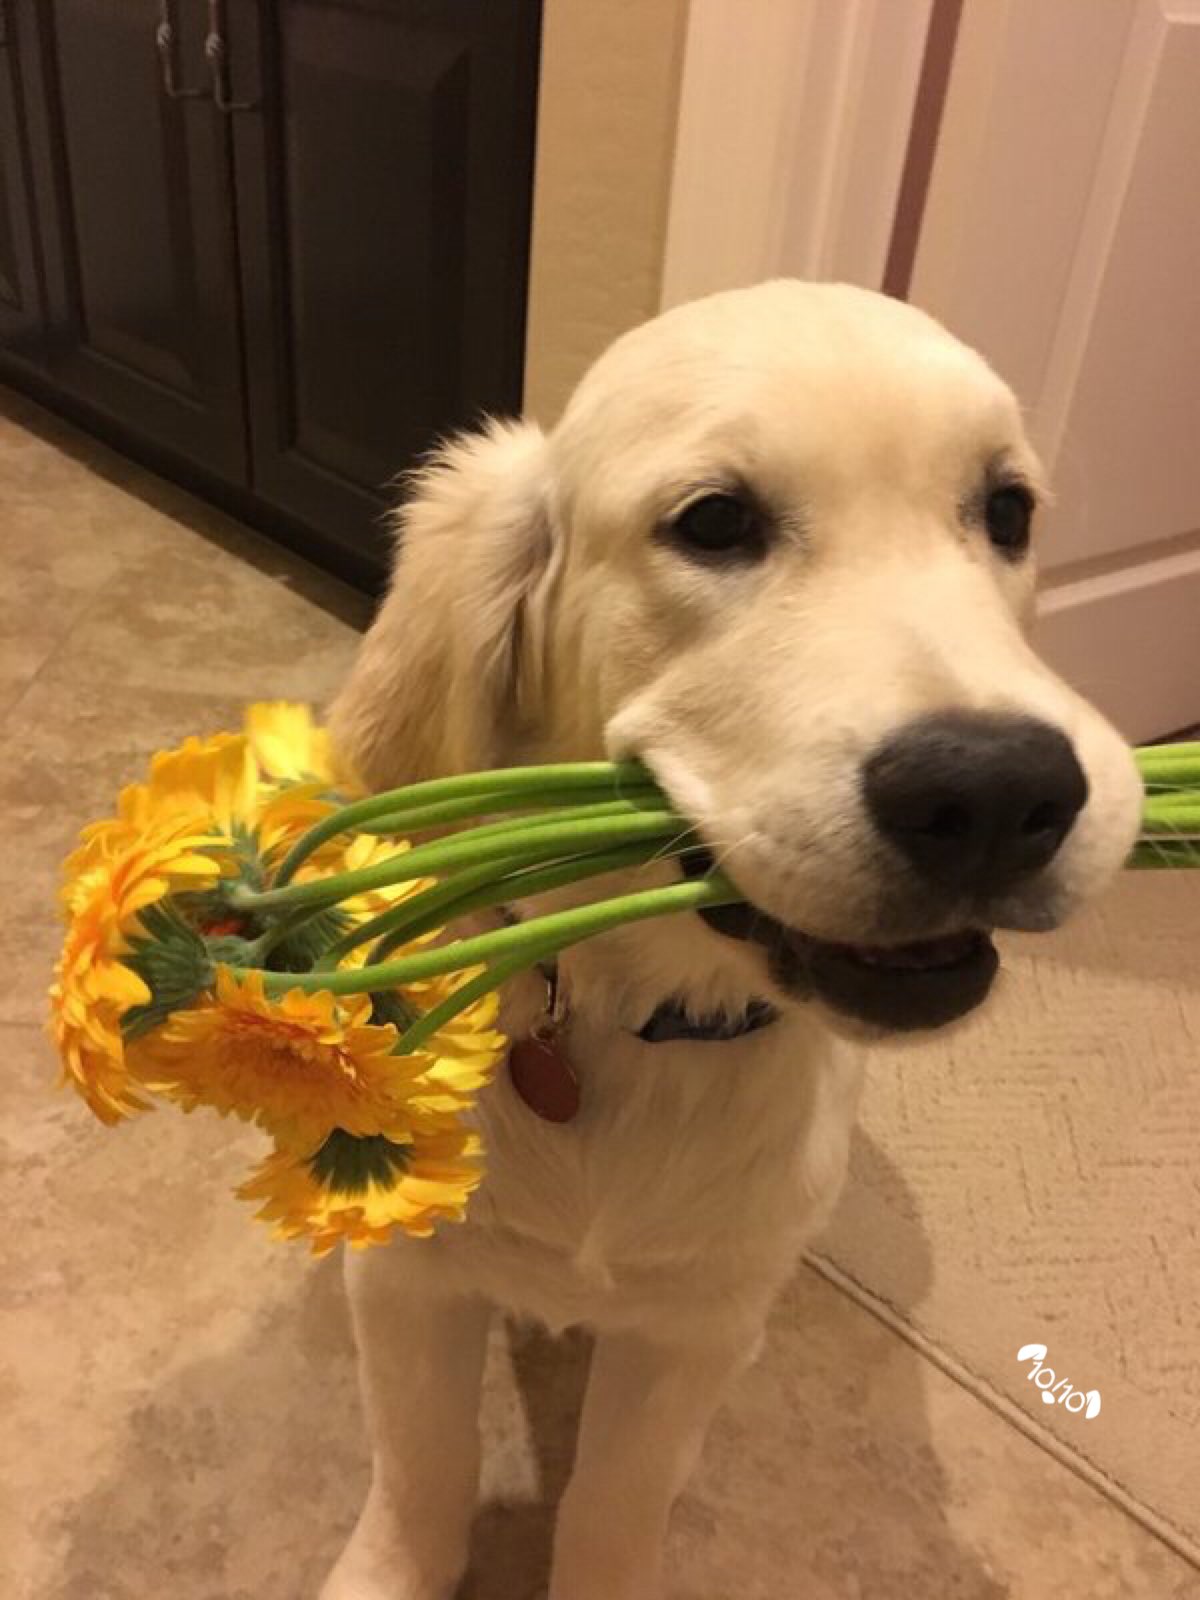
{"type": "Point", "coordinates": [218, 776]}
{"type": "Point", "coordinates": [463, 1053]}
{"type": "Point", "coordinates": [117, 873]}
{"type": "Point", "coordinates": [285, 814]}
{"type": "Point", "coordinates": [287, 744]}
{"type": "Point", "coordinates": [227, 777]}
{"type": "Point", "coordinates": [390, 1186]}
{"type": "Point", "coordinates": [300, 1065]}
{"type": "Point", "coordinates": [241, 783]}
{"type": "Point", "coordinates": [222, 776]}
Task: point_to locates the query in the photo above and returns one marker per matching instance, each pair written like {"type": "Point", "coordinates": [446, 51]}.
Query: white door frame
{"type": "Point", "coordinates": [794, 121]}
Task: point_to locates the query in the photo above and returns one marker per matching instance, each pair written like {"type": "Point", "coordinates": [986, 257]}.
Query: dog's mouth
{"type": "Point", "coordinates": [925, 983]}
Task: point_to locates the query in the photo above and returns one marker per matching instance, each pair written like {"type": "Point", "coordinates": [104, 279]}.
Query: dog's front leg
{"type": "Point", "coordinates": [647, 1409]}
{"type": "Point", "coordinates": [420, 1364]}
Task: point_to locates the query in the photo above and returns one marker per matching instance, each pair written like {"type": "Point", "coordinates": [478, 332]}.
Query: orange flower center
{"type": "Point", "coordinates": [279, 1045]}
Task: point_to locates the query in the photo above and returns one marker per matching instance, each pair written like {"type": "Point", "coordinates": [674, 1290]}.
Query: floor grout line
{"type": "Point", "coordinates": [77, 617]}
{"type": "Point", "coordinates": [78, 620]}
{"type": "Point", "coordinates": [957, 1370]}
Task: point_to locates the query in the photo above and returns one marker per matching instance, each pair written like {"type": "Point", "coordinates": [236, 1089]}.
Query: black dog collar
{"type": "Point", "coordinates": [671, 1022]}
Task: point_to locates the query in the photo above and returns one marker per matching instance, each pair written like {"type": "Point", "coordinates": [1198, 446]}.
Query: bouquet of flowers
{"type": "Point", "coordinates": [240, 937]}
{"type": "Point", "coordinates": [244, 936]}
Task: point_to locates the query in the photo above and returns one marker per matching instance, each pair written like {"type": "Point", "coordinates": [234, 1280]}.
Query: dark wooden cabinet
{"type": "Point", "coordinates": [286, 247]}
{"type": "Point", "coordinates": [21, 315]}
{"type": "Point", "coordinates": [138, 230]}
{"type": "Point", "coordinates": [383, 234]}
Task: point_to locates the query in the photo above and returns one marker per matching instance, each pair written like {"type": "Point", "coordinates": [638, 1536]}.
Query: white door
{"type": "Point", "coordinates": [1059, 231]}
{"type": "Point", "coordinates": [1061, 236]}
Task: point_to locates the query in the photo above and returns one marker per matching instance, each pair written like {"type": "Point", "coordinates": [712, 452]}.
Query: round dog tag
{"type": "Point", "coordinates": [544, 1078]}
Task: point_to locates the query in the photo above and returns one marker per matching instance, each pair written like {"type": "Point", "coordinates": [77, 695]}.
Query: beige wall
{"type": "Point", "coordinates": [605, 150]}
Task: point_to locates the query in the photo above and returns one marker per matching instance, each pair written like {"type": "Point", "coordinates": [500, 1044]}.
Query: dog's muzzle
{"type": "Point", "coordinates": [925, 983]}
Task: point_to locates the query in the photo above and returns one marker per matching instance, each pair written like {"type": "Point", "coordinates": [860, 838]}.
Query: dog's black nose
{"type": "Point", "coordinates": [975, 800]}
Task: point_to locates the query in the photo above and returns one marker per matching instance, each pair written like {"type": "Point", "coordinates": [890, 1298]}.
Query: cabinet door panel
{"type": "Point", "coordinates": [141, 257]}
{"type": "Point", "coordinates": [383, 191]}
{"type": "Point", "coordinates": [20, 292]}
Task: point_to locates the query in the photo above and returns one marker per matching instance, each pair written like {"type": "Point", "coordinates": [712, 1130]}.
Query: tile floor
{"type": "Point", "coordinates": [178, 1391]}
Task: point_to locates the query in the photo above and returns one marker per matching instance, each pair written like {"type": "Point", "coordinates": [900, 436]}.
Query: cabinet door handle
{"type": "Point", "coordinates": [217, 52]}
{"type": "Point", "coordinates": [164, 43]}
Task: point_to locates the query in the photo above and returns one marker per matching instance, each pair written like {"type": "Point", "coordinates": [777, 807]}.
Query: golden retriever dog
{"type": "Point", "coordinates": [778, 549]}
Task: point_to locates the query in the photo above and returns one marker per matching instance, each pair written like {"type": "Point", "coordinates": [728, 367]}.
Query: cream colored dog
{"type": "Point", "coordinates": [777, 550]}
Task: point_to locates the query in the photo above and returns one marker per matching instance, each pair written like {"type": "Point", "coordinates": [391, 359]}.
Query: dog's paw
{"type": "Point", "coordinates": [353, 1579]}
{"type": "Point", "coordinates": [384, 1589]}
{"type": "Point", "coordinates": [395, 1553]}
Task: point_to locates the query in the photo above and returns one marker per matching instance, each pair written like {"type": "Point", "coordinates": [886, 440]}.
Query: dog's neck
{"type": "Point", "coordinates": [621, 979]}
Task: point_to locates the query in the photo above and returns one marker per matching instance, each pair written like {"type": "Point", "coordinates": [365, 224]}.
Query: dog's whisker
{"type": "Point", "coordinates": [675, 849]}
{"type": "Point", "coordinates": [722, 852]}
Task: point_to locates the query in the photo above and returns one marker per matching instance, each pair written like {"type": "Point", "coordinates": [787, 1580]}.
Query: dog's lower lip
{"type": "Point", "coordinates": [918, 955]}
{"type": "Point", "coordinates": [922, 955]}
{"type": "Point", "coordinates": [924, 983]}
{"type": "Point", "coordinates": [901, 987]}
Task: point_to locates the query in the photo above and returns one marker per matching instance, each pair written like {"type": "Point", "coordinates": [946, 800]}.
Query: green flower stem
{"type": "Point", "coordinates": [465, 995]}
{"type": "Point", "coordinates": [1169, 763]}
{"type": "Point", "coordinates": [496, 891]}
{"type": "Point", "coordinates": [536, 939]}
{"type": "Point", "coordinates": [425, 910]}
{"type": "Point", "coordinates": [499, 972]}
{"type": "Point", "coordinates": [599, 811]}
{"type": "Point", "coordinates": [522, 845]}
{"type": "Point", "coordinates": [1152, 854]}
{"type": "Point", "coordinates": [1156, 794]}
{"type": "Point", "coordinates": [585, 777]}
{"type": "Point", "coordinates": [469, 890]}
{"type": "Point", "coordinates": [413, 916]}
{"type": "Point", "coordinates": [1170, 833]}
{"type": "Point", "coordinates": [1171, 773]}
{"type": "Point", "coordinates": [1173, 814]}
{"type": "Point", "coordinates": [1170, 810]}
{"type": "Point", "coordinates": [418, 818]}
{"type": "Point", "coordinates": [445, 892]}
{"type": "Point", "coordinates": [520, 884]}
{"type": "Point", "coordinates": [283, 929]}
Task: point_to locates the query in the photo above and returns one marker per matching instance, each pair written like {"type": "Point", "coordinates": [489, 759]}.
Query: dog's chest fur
{"type": "Point", "coordinates": [692, 1174]}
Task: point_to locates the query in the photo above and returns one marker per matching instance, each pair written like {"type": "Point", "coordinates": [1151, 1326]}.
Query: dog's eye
{"type": "Point", "coordinates": [1008, 512]}
{"type": "Point", "coordinates": [721, 525]}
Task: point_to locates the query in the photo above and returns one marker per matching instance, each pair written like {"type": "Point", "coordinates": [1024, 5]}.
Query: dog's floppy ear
{"type": "Point", "coordinates": [452, 661]}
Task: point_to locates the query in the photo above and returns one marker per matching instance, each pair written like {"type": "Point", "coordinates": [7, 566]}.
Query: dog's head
{"type": "Point", "coordinates": [779, 549]}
